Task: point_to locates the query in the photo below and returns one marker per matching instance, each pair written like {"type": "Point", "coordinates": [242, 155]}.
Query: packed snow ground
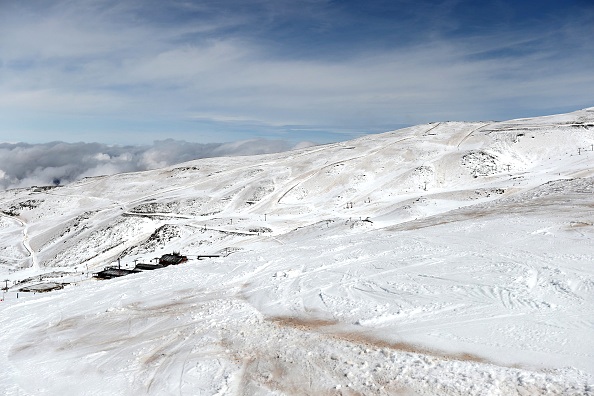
{"type": "Point", "coordinates": [449, 258]}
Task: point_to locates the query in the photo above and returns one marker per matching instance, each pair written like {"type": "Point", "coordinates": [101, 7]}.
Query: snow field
{"type": "Point", "coordinates": [442, 259]}
{"type": "Point", "coordinates": [173, 336]}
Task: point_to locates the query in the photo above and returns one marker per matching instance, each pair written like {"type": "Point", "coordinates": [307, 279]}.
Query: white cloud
{"type": "Point", "coordinates": [25, 165]}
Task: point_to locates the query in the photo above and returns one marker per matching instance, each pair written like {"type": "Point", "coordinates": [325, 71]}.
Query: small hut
{"type": "Point", "coordinates": [172, 259]}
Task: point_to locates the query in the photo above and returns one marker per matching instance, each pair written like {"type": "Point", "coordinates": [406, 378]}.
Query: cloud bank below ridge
{"type": "Point", "coordinates": [59, 163]}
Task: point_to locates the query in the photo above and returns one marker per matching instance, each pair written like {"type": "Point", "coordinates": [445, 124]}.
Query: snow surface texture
{"type": "Point", "coordinates": [442, 259]}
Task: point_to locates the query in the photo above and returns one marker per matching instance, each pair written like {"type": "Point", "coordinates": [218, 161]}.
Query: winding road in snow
{"type": "Point", "coordinates": [26, 244]}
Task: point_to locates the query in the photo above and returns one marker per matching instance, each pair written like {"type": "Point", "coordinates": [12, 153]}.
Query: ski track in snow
{"type": "Point", "coordinates": [25, 242]}
{"type": "Point", "coordinates": [214, 342]}
{"type": "Point", "coordinates": [442, 259]}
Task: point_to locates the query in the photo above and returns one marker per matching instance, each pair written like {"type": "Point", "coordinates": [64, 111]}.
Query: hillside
{"type": "Point", "coordinates": [447, 258]}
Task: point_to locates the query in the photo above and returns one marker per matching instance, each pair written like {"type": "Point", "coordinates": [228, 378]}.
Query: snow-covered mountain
{"type": "Point", "coordinates": [447, 258]}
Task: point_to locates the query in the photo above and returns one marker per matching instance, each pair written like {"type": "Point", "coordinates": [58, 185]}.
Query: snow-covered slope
{"type": "Point", "coordinates": [448, 258]}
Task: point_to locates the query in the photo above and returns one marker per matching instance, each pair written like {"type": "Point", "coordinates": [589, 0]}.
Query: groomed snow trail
{"type": "Point", "coordinates": [25, 240]}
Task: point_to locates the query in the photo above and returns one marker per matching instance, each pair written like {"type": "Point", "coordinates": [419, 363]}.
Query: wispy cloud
{"type": "Point", "coordinates": [129, 71]}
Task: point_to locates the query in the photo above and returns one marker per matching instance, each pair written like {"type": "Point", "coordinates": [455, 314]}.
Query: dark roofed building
{"type": "Point", "coordinates": [172, 259]}
{"type": "Point", "coordinates": [113, 272]}
{"type": "Point", "coordinates": [144, 267]}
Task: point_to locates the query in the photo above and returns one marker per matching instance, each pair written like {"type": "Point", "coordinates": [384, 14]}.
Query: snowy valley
{"type": "Point", "coordinates": [449, 258]}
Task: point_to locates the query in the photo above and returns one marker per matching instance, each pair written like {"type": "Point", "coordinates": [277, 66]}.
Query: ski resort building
{"type": "Point", "coordinates": [114, 272]}
{"type": "Point", "coordinates": [172, 259]}
{"type": "Point", "coordinates": [148, 267]}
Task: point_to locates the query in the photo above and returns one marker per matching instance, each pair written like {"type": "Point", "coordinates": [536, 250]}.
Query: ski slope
{"type": "Point", "coordinates": [449, 258]}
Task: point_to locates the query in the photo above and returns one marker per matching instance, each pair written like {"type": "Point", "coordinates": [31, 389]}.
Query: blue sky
{"type": "Point", "coordinates": [135, 71]}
